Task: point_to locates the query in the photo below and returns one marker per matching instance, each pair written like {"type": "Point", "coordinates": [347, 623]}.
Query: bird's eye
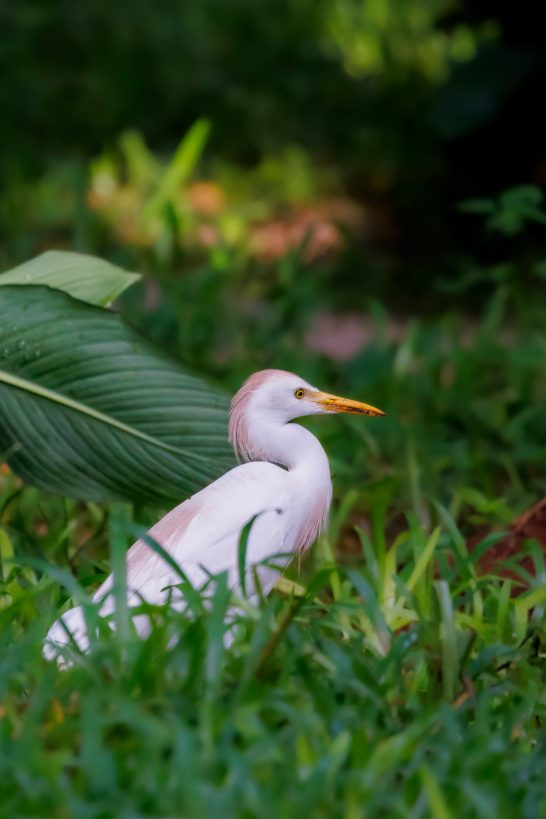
{"type": "Point", "coordinates": [299, 393]}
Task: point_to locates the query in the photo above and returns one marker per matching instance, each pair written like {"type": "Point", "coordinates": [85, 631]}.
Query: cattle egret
{"type": "Point", "coordinates": [283, 484]}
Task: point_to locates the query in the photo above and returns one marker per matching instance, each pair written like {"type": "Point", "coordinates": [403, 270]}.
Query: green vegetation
{"type": "Point", "coordinates": [390, 676]}
{"type": "Point", "coordinates": [346, 190]}
{"type": "Point", "coordinates": [328, 707]}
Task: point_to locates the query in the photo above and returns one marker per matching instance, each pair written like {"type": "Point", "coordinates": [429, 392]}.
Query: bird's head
{"type": "Point", "coordinates": [278, 396]}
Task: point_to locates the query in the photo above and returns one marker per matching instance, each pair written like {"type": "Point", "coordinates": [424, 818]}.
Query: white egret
{"type": "Point", "coordinates": [284, 483]}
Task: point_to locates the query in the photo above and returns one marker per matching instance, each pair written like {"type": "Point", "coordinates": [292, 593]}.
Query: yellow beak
{"type": "Point", "coordinates": [333, 403]}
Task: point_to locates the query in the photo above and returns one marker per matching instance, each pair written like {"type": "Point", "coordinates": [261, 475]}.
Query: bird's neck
{"type": "Point", "coordinates": [292, 447]}
{"type": "Point", "coordinates": [298, 451]}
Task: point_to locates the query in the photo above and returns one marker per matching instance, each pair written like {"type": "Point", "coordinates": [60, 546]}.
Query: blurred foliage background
{"type": "Point", "coordinates": [404, 109]}
{"type": "Point", "coordinates": [351, 189]}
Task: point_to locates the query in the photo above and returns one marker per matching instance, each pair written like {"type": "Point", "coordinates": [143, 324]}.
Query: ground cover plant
{"type": "Point", "coordinates": [388, 675]}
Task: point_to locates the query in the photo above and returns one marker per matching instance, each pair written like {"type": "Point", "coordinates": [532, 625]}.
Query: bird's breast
{"type": "Point", "coordinates": [314, 505]}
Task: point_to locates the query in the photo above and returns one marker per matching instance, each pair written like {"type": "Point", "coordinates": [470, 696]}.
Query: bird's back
{"type": "Point", "coordinates": [202, 534]}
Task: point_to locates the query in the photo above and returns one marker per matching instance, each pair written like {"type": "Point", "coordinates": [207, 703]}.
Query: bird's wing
{"type": "Point", "coordinates": [202, 534]}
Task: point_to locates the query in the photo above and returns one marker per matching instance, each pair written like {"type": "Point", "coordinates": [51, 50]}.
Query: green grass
{"type": "Point", "coordinates": [403, 685]}
{"type": "Point", "coordinates": [388, 678]}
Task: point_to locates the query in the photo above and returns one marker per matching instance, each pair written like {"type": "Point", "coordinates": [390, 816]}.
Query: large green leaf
{"type": "Point", "coordinates": [90, 409]}
{"type": "Point", "coordinates": [84, 277]}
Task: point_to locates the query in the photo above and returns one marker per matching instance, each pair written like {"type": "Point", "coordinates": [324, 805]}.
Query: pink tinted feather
{"type": "Point", "coordinates": [314, 523]}
{"type": "Point", "coordinates": [239, 432]}
{"type": "Point", "coordinates": [142, 560]}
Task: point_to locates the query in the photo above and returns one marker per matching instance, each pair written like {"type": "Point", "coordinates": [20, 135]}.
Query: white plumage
{"type": "Point", "coordinates": [285, 483]}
